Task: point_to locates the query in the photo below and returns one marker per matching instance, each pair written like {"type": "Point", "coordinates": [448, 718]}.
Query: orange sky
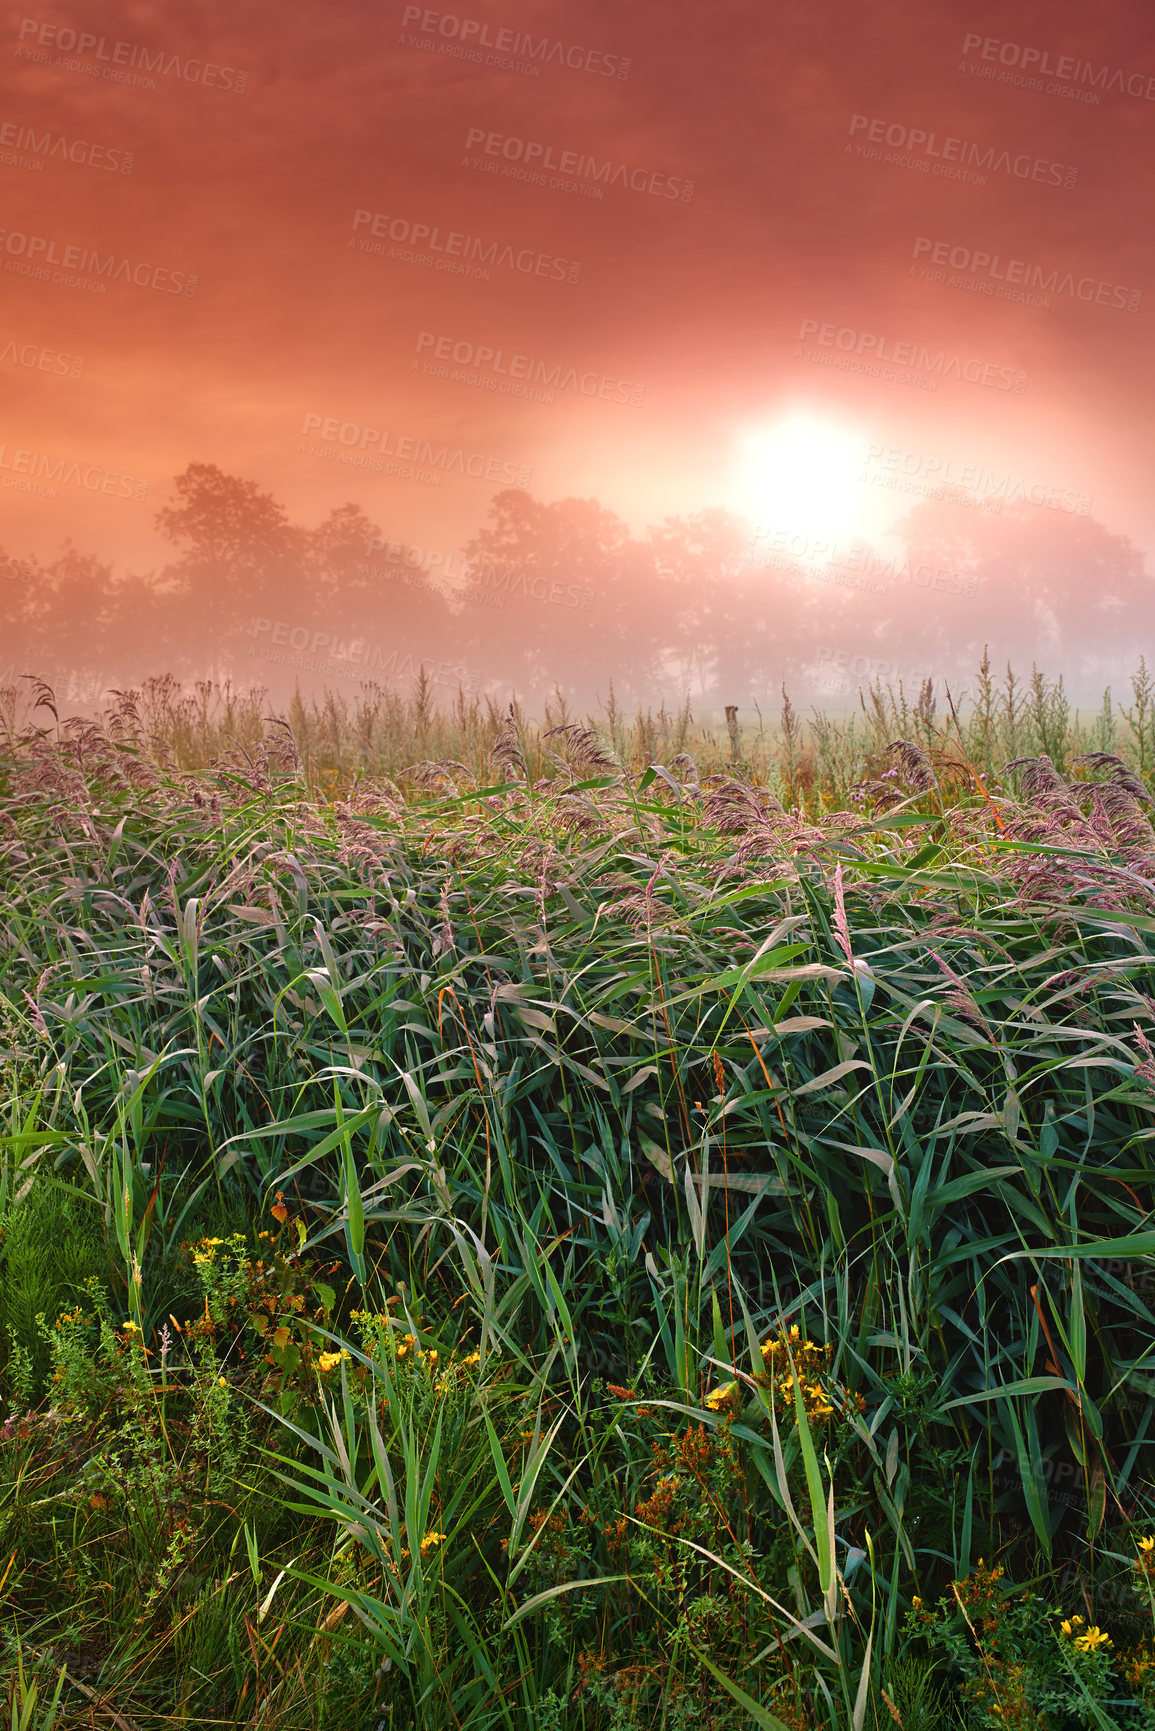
{"type": "Point", "coordinates": [753, 257]}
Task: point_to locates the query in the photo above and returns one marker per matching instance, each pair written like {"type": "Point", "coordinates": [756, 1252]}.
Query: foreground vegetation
{"type": "Point", "coordinates": [577, 1237]}
{"type": "Point", "coordinates": [816, 763]}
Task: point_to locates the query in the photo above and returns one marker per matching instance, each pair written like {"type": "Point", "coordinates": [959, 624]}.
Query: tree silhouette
{"type": "Point", "coordinates": [237, 550]}
{"type": "Point", "coordinates": [1050, 587]}
{"type": "Point", "coordinates": [580, 603]}
{"type": "Point", "coordinates": [576, 594]}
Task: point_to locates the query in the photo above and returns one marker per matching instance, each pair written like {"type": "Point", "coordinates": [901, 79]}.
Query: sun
{"type": "Point", "coordinates": [802, 474]}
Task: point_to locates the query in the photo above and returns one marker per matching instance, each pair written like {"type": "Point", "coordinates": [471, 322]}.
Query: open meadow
{"type": "Point", "coordinates": [583, 1224]}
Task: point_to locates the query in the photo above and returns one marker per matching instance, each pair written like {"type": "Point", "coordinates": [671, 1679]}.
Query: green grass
{"type": "Point", "coordinates": [593, 1088]}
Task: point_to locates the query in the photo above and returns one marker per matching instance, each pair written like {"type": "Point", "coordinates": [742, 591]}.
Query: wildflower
{"type": "Point", "coordinates": [327, 1360]}
{"type": "Point", "coordinates": [222, 1382]}
{"type": "Point", "coordinates": [1094, 1638]}
{"type": "Point", "coordinates": [430, 1542]}
{"type": "Point", "coordinates": [135, 1326]}
{"type": "Point", "coordinates": [1147, 1544]}
{"type": "Point", "coordinates": [720, 1398]}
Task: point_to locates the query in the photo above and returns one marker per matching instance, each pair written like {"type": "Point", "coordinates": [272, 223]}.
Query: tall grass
{"type": "Point", "coordinates": [603, 1079]}
{"type": "Point", "coordinates": [813, 760]}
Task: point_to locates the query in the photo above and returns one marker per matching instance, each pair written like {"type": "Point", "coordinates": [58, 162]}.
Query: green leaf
{"type": "Point", "coordinates": [822, 1546]}
{"type": "Point", "coordinates": [551, 1593]}
{"type": "Point", "coordinates": [1027, 1385]}
{"type": "Point", "coordinates": [761, 1715]}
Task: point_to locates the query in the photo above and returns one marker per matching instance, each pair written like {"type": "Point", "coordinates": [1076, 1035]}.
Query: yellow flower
{"type": "Point", "coordinates": [430, 1542]}
{"type": "Point", "coordinates": [135, 1326]}
{"type": "Point", "coordinates": [1147, 1544]}
{"type": "Point", "coordinates": [1092, 1639]}
{"type": "Point", "coordinates": [916, 1600]}
{"type": "Point", "coordinates": [222, 1382]}
{"type": "Point", "coordinates": [721, 1397]}
{"type": "Point", "coordinates": [474, 1358]}
{"type": "Point", "coordinates": [794, 1331]}
{"type": "Point", "coordinates": [327, 1360]}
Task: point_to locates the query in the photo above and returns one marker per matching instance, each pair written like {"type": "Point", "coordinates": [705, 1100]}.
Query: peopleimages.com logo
{"type": "Point", "coordinates": [917, 357]}
{"type": "Point", "coordinates": [493, 584]}
{"type": "Point", "coordinates": [459, 252]}
{"type": "Point", "coordinates": [856, 565]}
{"type": "Point", "coordinates": [843, 670]}
{"type": "Point", "coordinates": [468, 36]}
{"type": "Point", "coordinates": [31, 254]}
{"type": "Point", "coordinates": [37, 358]}
{"type": "Point", "coordinates": [953, 158]}
{"type": "Point", "coordinates": [408, 448]}
{"type": "Point", "coordinates": [538, 160]}
{"type": "Point", "coordinates": [322, 651]}
{"type": "Point", "coordinates": [114, 61]}
{"type": "Point", "coordinates": [1032, 277]}
{"type": "Point", "coordinates": [42, 146]}
{"type": "Point", "coordinates": [512, 369]}
{"type": "Point", "coordinates": [34, 472]}
{"type": "Point", "coordinates": [1034, 64]}
{"type": "Point", "coordinates": [972, 478]}
{"type": "Point", "coordinates": [422, 559]}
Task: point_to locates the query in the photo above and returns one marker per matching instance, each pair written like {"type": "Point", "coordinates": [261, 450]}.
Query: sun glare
{"type": "Point", "coordinates": [802, 475]}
